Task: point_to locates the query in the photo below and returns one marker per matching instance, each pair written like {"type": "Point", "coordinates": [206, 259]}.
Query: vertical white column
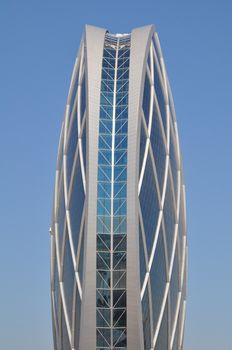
{"type": "Point", "coordinates": [140, 43]}
{"type": "Point", "coordinates": [94, 43]}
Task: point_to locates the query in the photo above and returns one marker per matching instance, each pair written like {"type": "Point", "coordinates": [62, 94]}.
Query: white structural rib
{"type": "Point", "coordinates": [94, 43]}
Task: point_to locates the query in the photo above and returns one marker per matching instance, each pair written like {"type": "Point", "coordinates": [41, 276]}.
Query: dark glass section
{"type": "Point", "coordinates": [61, 216]}
{"type": "Point", "coordinates": [103, 318]}
{"type": "Point", "coordinates": [119, 279]}
{"type": "Point", "coordinates": [103, 337]}
{"type": "Point", "coordinates": [83, 142]}
{"type": "Point", "coordinates": [119, 337]}
{"type": "Point", "coordinates": [77, 319]}
{"type": "Point", "coordinates": [181, 226]}
{"type": "Point", "coordinates": [162, 340]}
{"type": "Point", "coordinates": [158, 279]}
{"type": "Point", "coordinates": [149, 203]}
{"type": "Point", "coordinates": [149, 61]}
{"type": "Point", "coordinates": [74, 91]}
{"type": "Point", "coordinates": [119, 243]}
{"type": "Point", "coordinates": [68, 279]}
{"type": "Point", "coordinates": [175, 342]}
{"type": "Point", "coordinates": [174, 288]}
{"type": "Point", "coordinates": [72, 145]}
{"type": "Point", "coordinates": [56, 289]}
{"type": "Point", "coordinates": [81, 257]}
{"type": "Point", "coordinates": [76, 204]}
{"type": "Point", "coordinates": [146, 321]}
{"type": "Point", "coordinates": [158, 148]}
{"type": "Point", "coordinates": [173, 162]}
{"type": "Point", "coordinates": [119, 317]}
{"type": "Point", "coordinates": [142, 258]}
{"type": "Point", "coordinates": [64, 333]}
{"type": "Point", "coordinates": [103, 298]}
{"type": "Point", "coordinates": [146, 98]}
{"type": "Point", "coordinates": [103, 279]}
{"type": "Point", "coordinates": [160, 97]}
{"type": "Point", "coordinates": [169, 217]}
{"type": "Point", "coordinates": [143, 139]}
{"type": "Point", "coordinates": [83, 97]}
{"type": "Point", "coordinates": [157, 52]}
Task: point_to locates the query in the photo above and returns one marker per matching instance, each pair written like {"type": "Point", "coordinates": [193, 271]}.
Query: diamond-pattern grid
{"type": "Point", "coordinates": [67, 237]}
{"type": "Point", "coordinates": [111, 196]}
{"type": "Point", "coordinates": [163, 145]}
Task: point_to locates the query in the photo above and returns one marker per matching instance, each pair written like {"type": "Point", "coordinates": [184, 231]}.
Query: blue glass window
{"type": "Point", "coordinates": [162, 340]}
{"type": "Point", "coordinates": [169, 217]}
{"type": "Point", "coordinates": [149, 204]}
{"type": "Point", "coordinates": [61, 216]}
{"type": "Point", "coordinates": [64, 336]}
{"type": "Point", "coordinates": [141, 257]}
{"type": "Point", "coordinates": [174, 288]}
{"type": "Point", "coordinates": [158, 279]}
{"type": "Point", "coordinates": [158, 148]}
{"type": "Point", "coordinates": [160, 96]}
{"type": "Point", "coordinates": [77, 320]}
{"type": "Point", "coordinates": [173, 162]}
{"type": "Point", "coordinates": [143, 139]}
{"type": "Point", "coordinates": [146, 98]}
{"type": "Point", "coordinates": [68, 279]}
{"type": "Point", "coordinates": [72, 145]}
{"type": "Point", "coordinates": [76, 204]}
{"type": "Point", "coordinates": [146, 321]}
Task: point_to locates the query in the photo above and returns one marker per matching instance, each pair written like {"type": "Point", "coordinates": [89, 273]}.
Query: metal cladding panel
{"type": "Point", "coordinates": [140, 40]}
{"type": "Point", "coordinates": [94, 41]}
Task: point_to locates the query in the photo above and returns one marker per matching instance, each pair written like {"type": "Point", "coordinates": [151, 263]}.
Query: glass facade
{"type": "Point", "coordinates": [161, 197]}
{"type": "Point", "coordinates": [94, 220]}
{"type": "Point", "coordinates": [111, 230]}
{"type": "Point", "coordinates": [68, 217]}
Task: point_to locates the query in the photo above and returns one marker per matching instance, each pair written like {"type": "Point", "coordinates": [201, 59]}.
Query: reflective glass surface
{"type": "Point", "coordinates": [149, 203]}
{"type": "Point", "coordinates": [158, 148]}
{"type": "Point", "coordinates": [77, 318]}
{"type": "Point", "coordinates": [169, 217]}
{"type": "Point", "coordinates": [76, 204]}
{"type": "Point", "coordinates": [111, 225]}
{"type": "Point", "coordinates": [68, 279]}
{"type": "Point", "coordinates": [61, 216]}
{"type": "Point", "coordinates": [158, 279]}
{"type": "Point", "coordinates": [141, 257]}
{"type": "Point", "coordinates": [146, 321]}
{"type": "Point", "coordinates": [72, 145]}
{"type": "Point", "coordinates": [160, 96]}
{"type": "Point", "coordinates": [143, 139]}
{"type": "Point", "coordinates": [56, 289]}
{"type": "Point", "coordinates": [174, 288]}
{"type": "Point", "coordinates": [173, 161]}
{"type": "Point", "coordinates": [64, 333]}
{"type": "Point", "coordinates": [83, 97]}
{"type": "Point", "coordinates": [162, 340]}
{"type": "Point", "coordinates": [146, 98]}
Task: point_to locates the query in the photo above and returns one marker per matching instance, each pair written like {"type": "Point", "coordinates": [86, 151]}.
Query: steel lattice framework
{"type": "Point", "coordinates": [118, 236]}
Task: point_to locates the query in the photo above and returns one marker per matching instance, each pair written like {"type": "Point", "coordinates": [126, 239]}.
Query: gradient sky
{"type": "Point", "coordinates": [38, 44]}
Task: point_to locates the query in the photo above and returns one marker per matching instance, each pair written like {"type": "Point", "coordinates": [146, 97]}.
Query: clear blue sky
{"type": "Point", "coordinates": [38, 44]}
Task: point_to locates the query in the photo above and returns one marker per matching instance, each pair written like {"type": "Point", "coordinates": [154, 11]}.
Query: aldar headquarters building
{"type": "Point", "coordinates": [118, 236]}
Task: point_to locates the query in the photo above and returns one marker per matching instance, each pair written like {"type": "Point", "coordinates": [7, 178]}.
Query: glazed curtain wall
{"type": "Point", "coordinates": [162, 212]}
{"type": "Point", "coordinates": [68, 216]}
{"type": "Point", "coordinates": [111, 201]}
